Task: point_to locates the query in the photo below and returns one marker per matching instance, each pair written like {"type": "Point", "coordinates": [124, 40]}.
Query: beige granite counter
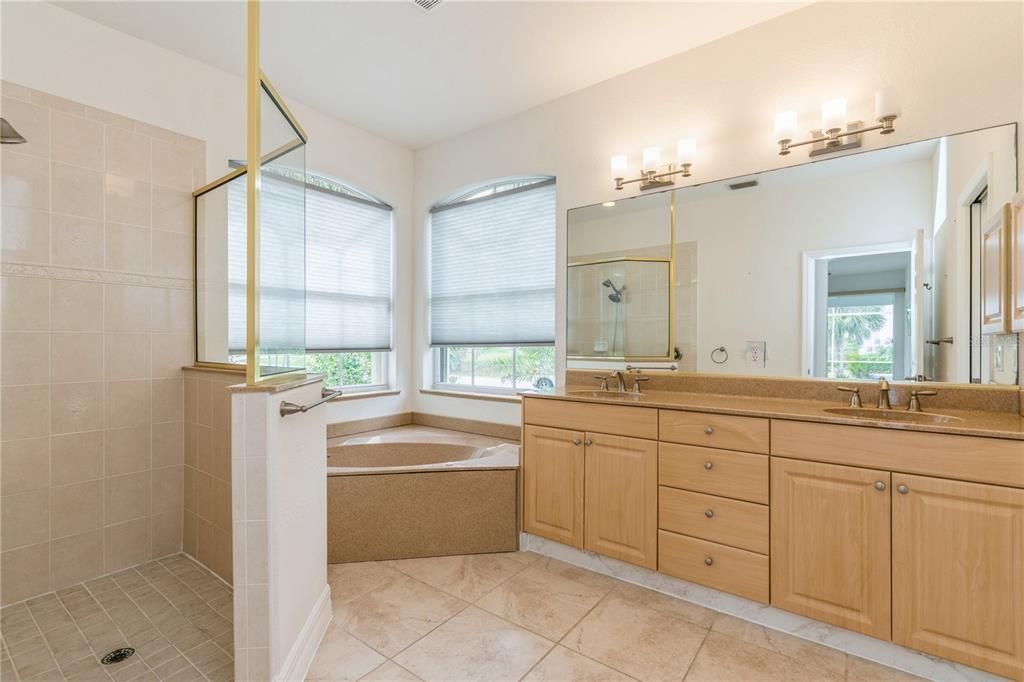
{"type": "Point", "coordinates": [990, 424]}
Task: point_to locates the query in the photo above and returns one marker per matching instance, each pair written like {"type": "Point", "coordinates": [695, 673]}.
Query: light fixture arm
{"type": "Point", "coordinates": [652, 179]}
{"type": "Point", "coordinates": [832, 136]}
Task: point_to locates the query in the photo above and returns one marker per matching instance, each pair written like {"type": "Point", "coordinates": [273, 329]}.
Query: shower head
{"type": "Point", "coordinates": [616, 295]}
{"type": "Point", "coordinates": [8, 135]}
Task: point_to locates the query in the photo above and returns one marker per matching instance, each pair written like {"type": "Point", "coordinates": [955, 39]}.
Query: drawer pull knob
{"type": "Point", "coordinates": [708, 561]}
{"type": "Point", "coordinates": [709, 513]}
{"type": "Point", "coordinates": [709, 430]}
{"type": "Point", "coordinates": [879, 485]}
{"type": "Point", "coordinates": [708, 465]}
{"type": "Point", "coordinates": [576, 441]}
{"type": "Point", "coordinates": [588, 442]}
{"type": "Point", "coordinates": [902, 489]}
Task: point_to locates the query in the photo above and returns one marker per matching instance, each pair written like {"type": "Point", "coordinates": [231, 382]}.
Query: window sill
{"type": "Point", "coordinates": [470, 395]}
{"type": "Point", "coordinates": [359, 395]}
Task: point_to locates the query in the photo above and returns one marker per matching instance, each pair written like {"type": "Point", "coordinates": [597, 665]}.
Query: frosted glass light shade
{"type": "Point", "coordinates": [887, 103]}
{"type": "Point", "coordinates": [833, 114]}
{"type": "Point", "coordinates": [785, 125]}
{"type": "Point", "coordinates": [686, 151]}
{"type": "Point", "coordinates": [619, 166]}
{"type": "Point", "coordinates": [651, 159]}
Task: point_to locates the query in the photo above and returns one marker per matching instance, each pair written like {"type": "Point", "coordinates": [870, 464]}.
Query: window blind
{"type": "Point", "coordinates": [492, 270]}
{"type": "Point", "coordinates": [347, 268]}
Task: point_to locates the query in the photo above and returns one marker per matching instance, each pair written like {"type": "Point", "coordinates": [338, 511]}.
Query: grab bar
{"type": "Point", "coordinates": [326, 395]}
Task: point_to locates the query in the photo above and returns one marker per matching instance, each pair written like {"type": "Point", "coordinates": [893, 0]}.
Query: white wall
{"type": "Point", "coordinates": [725, 94]}
{"type": "Point", "coordinates": [50, 49]}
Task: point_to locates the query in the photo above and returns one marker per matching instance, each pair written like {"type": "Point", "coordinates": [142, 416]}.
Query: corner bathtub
{"type": "Point", "coordinates": [413, 492]}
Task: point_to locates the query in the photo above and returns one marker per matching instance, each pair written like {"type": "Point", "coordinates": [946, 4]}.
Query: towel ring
{"type": "Point", "coordinates": [720, 349]}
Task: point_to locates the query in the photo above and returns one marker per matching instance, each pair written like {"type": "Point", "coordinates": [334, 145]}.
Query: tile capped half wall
{"type": "Point", "coordinates": [96, 292]}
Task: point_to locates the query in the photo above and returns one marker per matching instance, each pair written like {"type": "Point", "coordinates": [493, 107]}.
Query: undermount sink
{"type": "Point", "coordinates": [894, 415]}
{"type": "Point", "coordinates": [619, 395]}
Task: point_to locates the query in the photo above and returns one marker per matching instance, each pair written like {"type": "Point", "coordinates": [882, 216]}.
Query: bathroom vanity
{"type": "Point", "coordinates": [910, 531]}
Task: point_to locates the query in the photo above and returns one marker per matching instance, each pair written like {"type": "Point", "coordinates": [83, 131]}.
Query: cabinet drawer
{"type": "Point", "coordinates": [967, 458]}
{"type": "Point", "coordinates": [738, 475]}
{"type": "Point", "coordinates": [714, 430]}
{"type": "Point", "coordinates": [619, 420]}
{"type": "Point", "coordinates": [728, 569]}
{"type": "Point", "coordinates": [717, 519]}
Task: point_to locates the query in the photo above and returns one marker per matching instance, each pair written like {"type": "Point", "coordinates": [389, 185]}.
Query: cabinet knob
{"type": "Point", "coordinates": [708, 465]}
{"type": "Point", "coordinates": [588, 442]}
{"type": "Point", "coordinates": [708, 561]}
{"type": "Point", "coordinates": [879, 485]}
{"type": "Point", "coordinates": [902, 489]}
{"type": "Point", "coordinates": [709, 430]}
{"type": "Point", "coordinates": [709, 513]}
{"type": "Point", "coordinates": [576, 441]}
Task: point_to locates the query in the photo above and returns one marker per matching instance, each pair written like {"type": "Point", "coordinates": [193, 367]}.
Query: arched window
{"type": "Point", "coordinates": [492, 286]}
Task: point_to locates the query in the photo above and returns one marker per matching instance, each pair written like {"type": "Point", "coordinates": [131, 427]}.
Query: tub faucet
{"type": "Point", "coordinates": [883, 394]}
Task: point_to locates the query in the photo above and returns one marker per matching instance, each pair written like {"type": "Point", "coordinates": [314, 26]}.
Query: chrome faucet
{"type": "Point", "coordinates": [883, 394]}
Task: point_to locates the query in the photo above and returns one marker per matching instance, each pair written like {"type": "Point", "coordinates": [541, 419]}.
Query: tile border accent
{"type": "Point", "coordinates": [886, 653]}
{"type": "Point", "coordinates": [508, 432]}
{"type": "Point", "coordinates": [91, 275]}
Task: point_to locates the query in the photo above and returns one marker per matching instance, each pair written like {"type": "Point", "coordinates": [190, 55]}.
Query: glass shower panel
{"type": "Point", "coordinates": [618, 309]}
{"type": "Point", "coordinates": [282, 285]}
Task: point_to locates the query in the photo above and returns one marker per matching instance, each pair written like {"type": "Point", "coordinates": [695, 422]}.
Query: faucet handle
{"type": "Point", "coordinates": [604, 382]}
{"type": "Point", "coordinates": [854, 395]}
{"type": "Point", "coordinates": [915, 404]}
{"type": "Point", "coordinates": [636, 382]}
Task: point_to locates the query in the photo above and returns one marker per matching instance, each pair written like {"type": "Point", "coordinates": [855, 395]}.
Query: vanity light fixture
{"type": "Point", "coordinates": [836, 132]}
{"type": "Point", "coordinates": [651, 173]}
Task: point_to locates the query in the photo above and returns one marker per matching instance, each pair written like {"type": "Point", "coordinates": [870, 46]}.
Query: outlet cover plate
{"type": "Point", "coordinates": [754, 354]}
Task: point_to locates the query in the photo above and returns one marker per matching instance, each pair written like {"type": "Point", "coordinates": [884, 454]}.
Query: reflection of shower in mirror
{"type": "Point", "coordinates": [616, 295]}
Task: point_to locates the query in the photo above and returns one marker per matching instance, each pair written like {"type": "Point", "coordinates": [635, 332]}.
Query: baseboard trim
{"type": "Point", "coordinates": [855, 644]}
{"type": "Point", "coordinates": [296, 665]}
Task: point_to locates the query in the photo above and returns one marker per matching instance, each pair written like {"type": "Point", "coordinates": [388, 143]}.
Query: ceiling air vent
{"type": "Point", "coordinates": [427, 5]}
{"type": "Point", "coordinates": [743, 185]}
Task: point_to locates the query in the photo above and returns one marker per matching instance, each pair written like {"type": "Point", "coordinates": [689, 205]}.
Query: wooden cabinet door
{"type": "Point", "coordinates": [553, 484]}
{"type": "Point", "coordinates": [622, 498]}
{"type": "Point", "coordinates": [958, 571]}
{"type": "Point", "coordinates": [830, 544]}
{"type": "Point", "coordinates": [1017, 265]}
{"type": "Point", "coordinates": [995, 275]}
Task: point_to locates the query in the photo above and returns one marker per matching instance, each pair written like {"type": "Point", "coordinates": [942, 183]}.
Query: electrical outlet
{"type": "Point", "coordinates": [754, 354]}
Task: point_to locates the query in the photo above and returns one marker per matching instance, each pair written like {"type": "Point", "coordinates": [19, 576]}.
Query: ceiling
{"type": "Point", "coordinates": [417, 77]}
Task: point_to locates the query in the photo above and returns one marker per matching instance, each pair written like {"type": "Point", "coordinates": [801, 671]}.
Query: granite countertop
{"type": "Point", "coordinates": [971, 422]}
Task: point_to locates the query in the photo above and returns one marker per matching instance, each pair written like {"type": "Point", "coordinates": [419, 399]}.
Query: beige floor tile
{"type": "Point", "coordinates": [696, 614]}
{"type": "Point", "coordinates": [474, 645]}
{"type": "Point", "coordinates": [549, 597]}
{"type": "Point", "coordinates": [725, 659]}
{"type": "Point", "coordinates": [390, 672]}
{"type": "Point", "coordinates": [639, 634]}
{"type": "Point", "coordinates": [863, 670]}
{"type": "Point", "coordinates": [805, 652]}
{"type": "Point", "coordinates": [342, 657]}
{"type": "Point", "coordinates": [563, 664]}
{"type": "Point", "coordinates": [466, 577]}
{"type": "Point", "coordinates": [350, 581]}
{"type": "Point", "coordinates": [396, 614]}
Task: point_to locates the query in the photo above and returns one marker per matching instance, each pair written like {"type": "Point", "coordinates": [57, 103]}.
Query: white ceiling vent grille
{"type": "Point", "coordinates": [427, 5]}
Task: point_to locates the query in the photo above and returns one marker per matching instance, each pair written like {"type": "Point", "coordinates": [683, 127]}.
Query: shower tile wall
{"type": "Point", "coordinates": [207, 524]}
{"type": "Point", "coordinates": [96, 325]}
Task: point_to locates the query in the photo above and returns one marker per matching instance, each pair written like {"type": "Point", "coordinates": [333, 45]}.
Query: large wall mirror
{"type": "Point", "coordinates": [863, 266]}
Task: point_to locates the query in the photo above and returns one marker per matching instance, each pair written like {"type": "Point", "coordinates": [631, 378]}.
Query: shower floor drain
{"type": "Point", "coordinates": [117, 655]}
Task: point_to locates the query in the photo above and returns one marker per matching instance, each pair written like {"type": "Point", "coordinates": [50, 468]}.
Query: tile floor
{"type": "Point", "coordinates": [174, 612]}
{"type": "Point", "coordinates": [522, 616]}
